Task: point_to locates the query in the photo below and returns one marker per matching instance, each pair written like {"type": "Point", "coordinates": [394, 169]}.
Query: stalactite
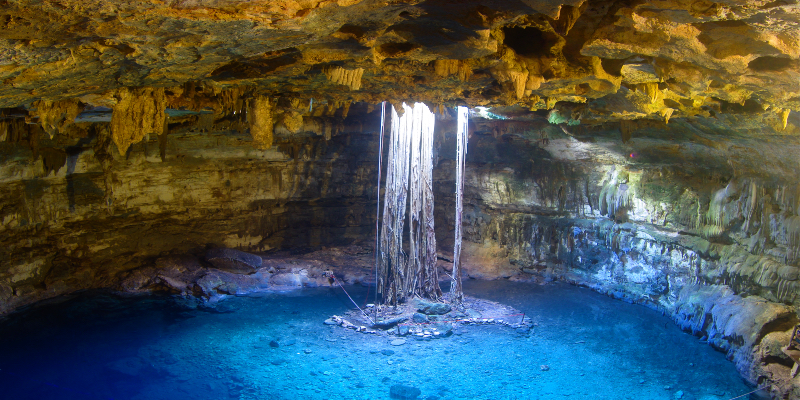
{"type": "Point", "coordinates": [651, 89]}
{"type": "Point", "coordinates": [716, 207]}
{"type": "Point", "coordinates": [519, 79]}
{"type": "Point", "coordinates": [52, 159]}
{"type": "Point", "coordinates": [667, 114]}
{"type": "Point", "coordinates": [615, 194]}
{"type": "Point", "coordinates": [138, 113]}
{"type": "Point", "coordinates": [231, 100]}
{"type": "Point", "coordinates": [453, 67]}
{"type": "Point", "coordinates": [259, 116]}
{"type": "Point", "coordinates": [784, 115]}
{"type": "Point", "coordinates": [293, 121]}
{"type": "Point", "coordinates": [14, 130]}
{"type": "Point", "coordinates": [534, 102]}
{"type": "Point", "coordinates": [567, 16]}
{"type": "Point", "coordinates": [347, 77]}
{"type": "Point", "coordinates": [328, 131]}
{"type": "Point", "coordinates": [792, 238]}
{"type": "Point", "coordinates": [345, 108]}
{"type": "Point", "coordinates": [752, 203]}
{"type": "Point", "coordinates": [456, 291]}
{"type": "Point", "coordinates": [55, 116]}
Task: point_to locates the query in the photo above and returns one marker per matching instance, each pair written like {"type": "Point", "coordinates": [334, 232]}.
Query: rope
{"type": "Point", "coordinates": [748, 393]}
{"type": "Point", "coordinates": [351, 299]}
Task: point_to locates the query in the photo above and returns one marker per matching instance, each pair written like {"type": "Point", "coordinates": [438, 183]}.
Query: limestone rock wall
{"type": "Point", "coordinates": [714, 249]}
{"type": "Point", "coordinates": [77, 214]}
{"type": "Point", "coordinates": [591, 60]}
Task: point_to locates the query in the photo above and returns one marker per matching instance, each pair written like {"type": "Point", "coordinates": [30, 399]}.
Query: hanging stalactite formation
{"type": "Point", "coordinates": [409, 179]}
{"type": "Point", "coordinates": [456, 292]}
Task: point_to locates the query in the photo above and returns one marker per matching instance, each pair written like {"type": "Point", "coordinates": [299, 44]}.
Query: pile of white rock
{"type": "Point", "coordinates": [337, 320]}
{"type": "Point", "coordinates": [425, 332]}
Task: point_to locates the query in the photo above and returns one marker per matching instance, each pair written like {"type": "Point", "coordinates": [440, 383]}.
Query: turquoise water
{"type": "Point", "coordinates": [586, 346]}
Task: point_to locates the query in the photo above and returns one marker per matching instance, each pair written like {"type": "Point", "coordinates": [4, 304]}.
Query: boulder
{"type": "Point", "coordinates": [432, 308]}
{"type": "Point", "coordinates": [419, 318]}
{"type": "Point", "coordinates": [233, 260]}
{"type": "Point", "coordinates": [444, 329]}
{"type": "Point", "coordinates": [288, 279]}
{"type": "Point", "coordinates": [389, 323]}
{"type": "Point", "coordinates": [403, 392]}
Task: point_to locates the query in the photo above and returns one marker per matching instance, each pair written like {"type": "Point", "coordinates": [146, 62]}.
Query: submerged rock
{"type": "Point", "coordinates": [442, 328]}
{"type": "Point", "coordinates": [403, 392]}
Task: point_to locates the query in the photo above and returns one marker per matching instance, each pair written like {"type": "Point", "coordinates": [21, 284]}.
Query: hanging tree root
{"type": "Point", "coordinates": [424, 319]}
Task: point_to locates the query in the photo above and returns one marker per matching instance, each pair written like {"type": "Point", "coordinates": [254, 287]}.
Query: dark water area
{"type": "Point", "coordinates": [275, 346]}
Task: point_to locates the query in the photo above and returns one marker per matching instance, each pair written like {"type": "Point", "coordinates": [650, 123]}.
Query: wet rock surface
{"type": "Point", "coordinates": [431, 307]}
{"type": "Point", "coordinates": [233, 260]}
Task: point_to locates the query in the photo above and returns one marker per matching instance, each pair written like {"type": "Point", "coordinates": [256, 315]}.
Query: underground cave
{"type": "Point", "coordinates": [406, 199]}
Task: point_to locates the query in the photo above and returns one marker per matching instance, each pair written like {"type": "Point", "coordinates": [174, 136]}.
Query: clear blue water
{"type": "Point", "coordinates": [98, 346]}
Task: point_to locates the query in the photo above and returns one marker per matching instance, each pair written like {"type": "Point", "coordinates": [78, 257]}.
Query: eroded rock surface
{"type": "Point", "coordinates": [596, 61]}
{"type": "Point", "coordinates": [706, 238]}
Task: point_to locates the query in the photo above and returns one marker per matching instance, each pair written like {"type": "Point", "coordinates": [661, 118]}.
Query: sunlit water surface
{"type": "Point", "coordinates": [586, 346]}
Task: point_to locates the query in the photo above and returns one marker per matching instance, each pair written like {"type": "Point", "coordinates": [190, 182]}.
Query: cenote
{"type": "Point", "coordinates": [533, 199]}
{"type": "Point", "coordinates": [584, 345]}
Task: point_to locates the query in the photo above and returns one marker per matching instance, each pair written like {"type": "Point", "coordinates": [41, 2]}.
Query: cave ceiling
{"type": "Point", "coordinates": [732, 65]}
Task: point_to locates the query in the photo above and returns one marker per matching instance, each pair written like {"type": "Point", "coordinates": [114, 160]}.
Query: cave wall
{"type": "Point", "coordinates": [712, 244]}
{"type": "Point", "coordinates": [77, 214]}
{"type": "Point", "coordinates": [688, 219]}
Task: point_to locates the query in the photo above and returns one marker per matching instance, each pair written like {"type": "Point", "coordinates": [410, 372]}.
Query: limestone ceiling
{"type": "Point", "coordinates": [591, 61]}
